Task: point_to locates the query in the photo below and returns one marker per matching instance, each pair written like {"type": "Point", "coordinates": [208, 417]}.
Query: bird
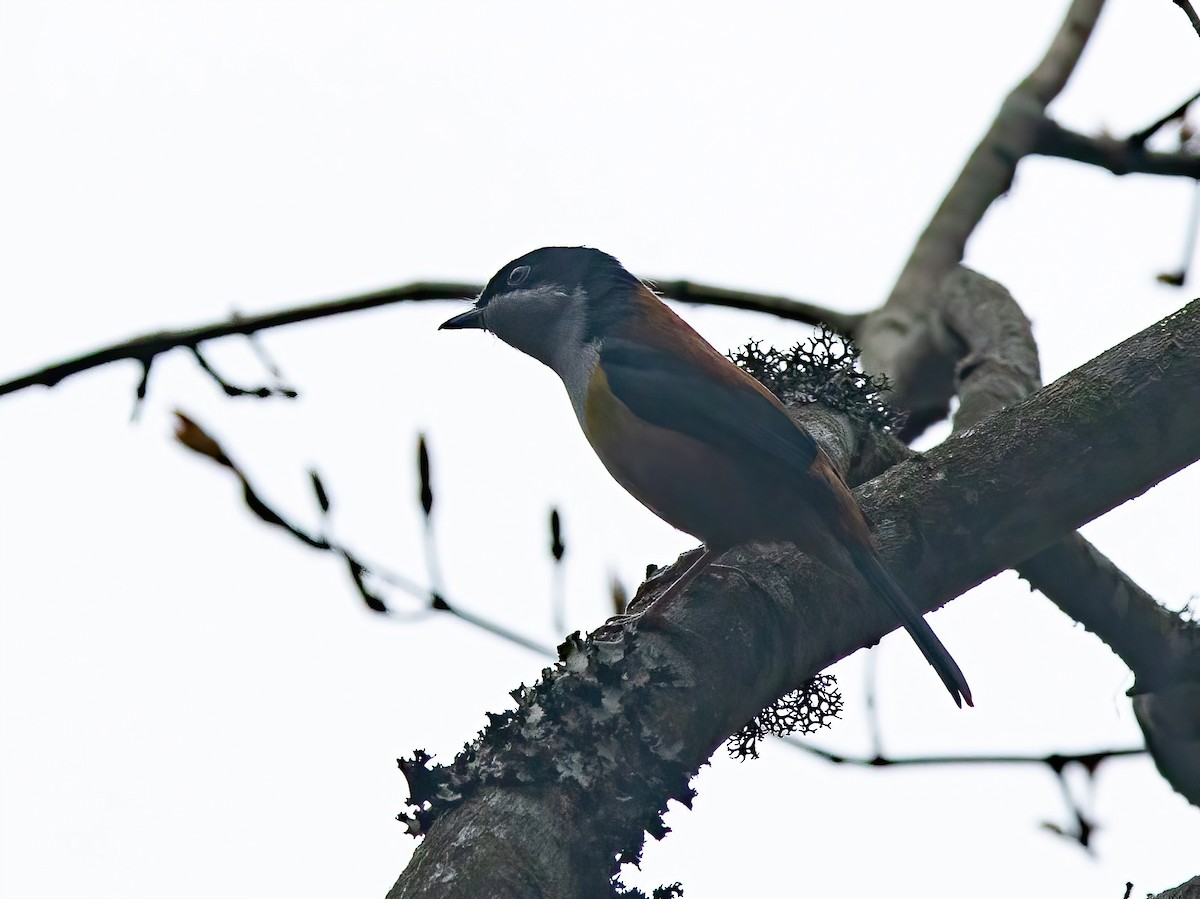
{"type": "Point", "coordinates": [694, 438]}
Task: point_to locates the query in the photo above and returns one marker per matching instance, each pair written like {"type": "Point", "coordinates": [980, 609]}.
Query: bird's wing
{"type": "Point", "coordinates": [725, 413]}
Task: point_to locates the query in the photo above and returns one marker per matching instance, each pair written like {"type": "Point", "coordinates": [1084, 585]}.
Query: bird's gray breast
{"type": "Point", "coordinates": [575, 369]}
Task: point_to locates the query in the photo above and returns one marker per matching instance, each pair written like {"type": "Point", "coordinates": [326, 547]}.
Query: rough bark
{"type": "Point", "coordinates": [596, 749]}
{"type": "Point", "coordinates": [1189, 890]}
{"type": "Point", "coordinates": [969, 339]}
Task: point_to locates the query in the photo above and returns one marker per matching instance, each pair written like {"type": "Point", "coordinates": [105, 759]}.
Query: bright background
{"type": "Point", "coordinates": [193, 705]}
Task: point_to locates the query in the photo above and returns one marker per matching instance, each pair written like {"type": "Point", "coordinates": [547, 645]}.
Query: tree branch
{"type": "Point", "coordinates": [198, 440]}
{"type": "Point", "coordinates": [1089, 588]}
{"type": "Point", "coordinates": [781, 307]}
{"type": "Point", "coordinates": [968, 338]}
{"type": "Point", "coordinates": [1121, 157]}
{"type": "Point", "coordinates": [1160, 648]}
{"type": "Point", "coordinates": [148, 346]}
{"type": "Point", "coordinates": [1189, 890]}
{"type": "Point", "coordinates": [1190, 12]}
{"type": "Point", "coordinates": [989, 170]}
{"type": "Point", "coordinates": [909, 337]}
{"type": "Point", "coordinates": [1178, 113]}
{"type": "Point", "coordinates": [551, 791]}
{"type": "Point", "coordinates": [945, 331]}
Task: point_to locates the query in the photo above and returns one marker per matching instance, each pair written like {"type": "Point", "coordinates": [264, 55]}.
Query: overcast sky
{"type": "Point", "coordinates": [194, 705]}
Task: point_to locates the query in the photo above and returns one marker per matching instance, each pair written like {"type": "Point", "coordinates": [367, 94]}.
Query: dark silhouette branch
{"type": "Point", "coordinates": [195, 438]}
{"type": "Point", "coordinates": [1054, 760]}
{"type": "Point", "coordinates": [148, 346]}
{"type": "Point", "coordinates": [593, 753]}
{"type": "Point", "coordinates": [779, 306]}
{"type": "Point", "coordinates": [1121, 157]}
{"type": "Point", "coordinates": [1190, 12]}
{"type": "Point", "coordinates": [1177, 114]}
{"type": "Point", "coordinates": [232, 389]}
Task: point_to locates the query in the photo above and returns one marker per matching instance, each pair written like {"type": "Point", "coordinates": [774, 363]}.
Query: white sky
{"type": "Point", "coordinates": [192, 705]}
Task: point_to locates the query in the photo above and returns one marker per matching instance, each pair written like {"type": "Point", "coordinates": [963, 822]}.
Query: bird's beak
{"type": "Point", "coordinates": [472, 318]}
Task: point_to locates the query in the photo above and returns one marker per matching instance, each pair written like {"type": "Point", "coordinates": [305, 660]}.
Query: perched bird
{"type": "Point", "coordinates": [694, 438]}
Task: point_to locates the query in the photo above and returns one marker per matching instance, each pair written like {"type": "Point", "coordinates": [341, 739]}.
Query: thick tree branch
{"type": "Point", "coordinates": [968, 338]}
{"type": "Point", "coordinates": [945, 331]}
{"type": "Point", "coordinates": [1160, 648]}
{"type": "Point", "coordinates": [912, 337]}
{"type": "Point", "coordinates": [995, 365]}
{"type": "Point", "coordinates": [594, 752]}
{"type": "Point", "coordinates": [148, 346]}
{"type": "Point", "coordinates": [1088, 587]}
{"type": "Point", "coordinates": [989, 170]}
{"type": "Point", "coordinates": [1189, 890]}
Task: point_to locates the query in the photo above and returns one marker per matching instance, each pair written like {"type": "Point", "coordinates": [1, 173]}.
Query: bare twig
{"type": "Point", "coordinates": [558, 590]}
{"type": "Point", "coordinates": [779, 306]}
{"type": "Point", "coordinates": [233, 389]}
{"type": "Point", "coordinates": [1121, 157]}
{"type": "Point", "coordinates": [148, 346]}
{"type": "Point", "coordinates": [1179, 112]}
{"type": "Point", "coordinates": [1054, 760]}
{"type": "Point", "coordinates": [1190, 12]}
{"type": "Point", "coordinates": [199, 441]}
{"type": "Point", "coordinates": [433, 565]}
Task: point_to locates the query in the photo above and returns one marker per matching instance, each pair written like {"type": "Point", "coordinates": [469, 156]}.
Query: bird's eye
{"type": "Point", "coordinates": [518, 276]}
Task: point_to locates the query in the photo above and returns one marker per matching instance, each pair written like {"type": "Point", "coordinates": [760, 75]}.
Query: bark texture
{"type": "Point", "coordinates": [549, 796]}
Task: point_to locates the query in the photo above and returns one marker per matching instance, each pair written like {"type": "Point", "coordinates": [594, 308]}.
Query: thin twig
{"type": "Point", "coordinates": [879, 761]}
{"type": "Point", "coordinates": [780, 306]}
{"type": "Point", "coordinates": [199, 441]}
{"type": "Point", "coordinates": [1140, 137]}
{"type": "Point", "coordinates": [146, 347]}
{"type": "Point", "coordinates": [1190, 12]}
{"type": "Point", "coordinates": [149, 345]}
{"type": "Point", "coordinates": [232, 389]}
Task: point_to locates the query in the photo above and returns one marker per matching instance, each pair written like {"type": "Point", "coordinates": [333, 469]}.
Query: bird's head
{"type": "Point", "coordinates": [553, 302]}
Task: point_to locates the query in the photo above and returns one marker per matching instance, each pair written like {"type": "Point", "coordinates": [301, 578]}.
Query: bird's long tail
{"type": "Point", "coordinates": [886, 587]}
